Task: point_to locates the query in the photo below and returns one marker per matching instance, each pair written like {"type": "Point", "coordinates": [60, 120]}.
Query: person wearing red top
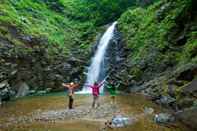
{"type": "Point", "coordinates": [95, 92]}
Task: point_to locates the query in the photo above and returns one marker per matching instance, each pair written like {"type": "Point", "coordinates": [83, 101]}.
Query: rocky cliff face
{"type": "Point", "coordinates": [163, 61]}
{"type": "Point", "coordinates": [46, 42]}
{"type": "Point", "coordinates": [32, 63]}
{"type": "Point", "coordinates": [153, 51]}
{"type": "Point", "coordinates": [116, 58]}
{"type": "Point", "coordinates": [40, 50]}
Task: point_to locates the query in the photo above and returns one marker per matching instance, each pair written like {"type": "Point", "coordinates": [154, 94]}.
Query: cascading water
{"type": "Point", "coordinates": [96, 71]}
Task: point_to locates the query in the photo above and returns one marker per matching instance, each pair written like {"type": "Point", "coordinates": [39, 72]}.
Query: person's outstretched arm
{"type": "Point", "coordinates": [117, 86]}
{"type": "Point", "coordinates": [108, 86]}
{"type": "Point", "coordinates": [65, 85]}
{"type": "Point", "coordinates": [101, 83]}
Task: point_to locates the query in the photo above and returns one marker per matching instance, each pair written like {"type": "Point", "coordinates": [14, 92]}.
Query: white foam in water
{"type": "Point", "coordinates": [95, 67]}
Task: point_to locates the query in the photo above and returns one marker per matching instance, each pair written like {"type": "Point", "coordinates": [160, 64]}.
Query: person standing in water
{"type": "Point", "coordinates": [71, 86]}
{"type": "Point", "coordinates": [95, 92]}
{"type": "Point", "coordinates": [112, 89]}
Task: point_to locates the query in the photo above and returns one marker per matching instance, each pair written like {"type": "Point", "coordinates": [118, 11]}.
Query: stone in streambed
{"type": "Point", "coordinates": [190, 88]}
{"type": "Point", "coordinates": [41, 92]}
{"type": "Point", "coordinates": [188, 117]}
{"type": "Point", "coordinates": [166, 100]}
{"type": "Point", "coordinates": [120, 121]}
{"type": "Point", "coordinates": [163, 118]}
{"type": "Point", "coordinates": [48, 90]}
{"type": "Point", "coordinates": [31, 92]}
{"type": "Point", "coordinates": [186, 102]}
{"type": "Point", "coordinates": [148, 110]}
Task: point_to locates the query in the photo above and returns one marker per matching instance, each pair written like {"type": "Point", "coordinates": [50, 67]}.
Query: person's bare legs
{"type": "Point", "coordinates": [94, 102]}
{"type": "Point", "coordinates": [113, 100]}
{"type": "Point", "coordinates": [97, 100]}
{"type": "Point", "coordinates": [70, 103]}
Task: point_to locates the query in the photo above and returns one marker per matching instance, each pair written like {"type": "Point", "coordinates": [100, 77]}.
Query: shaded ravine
{"type": "Point", "coordinates": [49, 112]}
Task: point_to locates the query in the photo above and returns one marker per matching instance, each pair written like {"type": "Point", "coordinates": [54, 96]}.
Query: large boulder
{"type": "Point", "coordinates": [191, 88]}
{"type": "Point", "coordinates": [164, 118]}
{"type": "Point", "coordinates": [166, 100]}
{"type": "Point", "coordinates": [5, 91]}
{"type": "Point", "coordinates": [186, 102]}
{"type": "Point", "coordinates": [188, 117]}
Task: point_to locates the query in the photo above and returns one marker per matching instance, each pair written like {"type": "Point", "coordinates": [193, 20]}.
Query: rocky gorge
{"type": "Point", "coordinates": [162, 62]}
{"type": "Point", "coordinates": [153, 51]}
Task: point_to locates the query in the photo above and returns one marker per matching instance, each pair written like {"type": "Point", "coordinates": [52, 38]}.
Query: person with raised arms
{"type": "Point", "coordinates": [71, 86]}
{"type": "Point", "coordinates": [112, 89]}
{"type": "Point", "coordinates": [95, 93]}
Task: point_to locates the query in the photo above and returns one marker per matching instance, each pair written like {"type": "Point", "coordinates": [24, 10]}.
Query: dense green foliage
{"type": "Point", "coordinates": [39, 20]}
{"type": "Point", "coordinates": [106, 11]}
{"type": "Point", "coordinates": [68, 23]}
{"type": "Point", "coordinates": [155, 34]}
{"type": "Point", "coordinates": [158, 36]}
{"type": "Point", "coordinates": [47, 41]}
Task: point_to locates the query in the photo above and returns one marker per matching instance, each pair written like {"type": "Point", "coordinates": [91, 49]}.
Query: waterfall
{"type": "Point", "coordinates": [96, 71]}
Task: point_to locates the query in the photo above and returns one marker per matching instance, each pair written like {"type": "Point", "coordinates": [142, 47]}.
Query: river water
{"type": "Point", "coordinates": [50, 113]}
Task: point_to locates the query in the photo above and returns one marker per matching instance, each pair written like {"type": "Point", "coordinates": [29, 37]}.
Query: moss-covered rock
{"type": "Point", "coordinates": [37, 41]}
{"type": "Point", "coordinates": [162, 39]}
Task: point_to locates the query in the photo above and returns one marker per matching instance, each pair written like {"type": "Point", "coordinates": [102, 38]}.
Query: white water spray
{"type": "Point", "coordinates": [95, 69]}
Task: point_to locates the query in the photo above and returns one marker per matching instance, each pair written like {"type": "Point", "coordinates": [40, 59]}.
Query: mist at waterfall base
{"type": "Point", "coordinates": [96, 70]}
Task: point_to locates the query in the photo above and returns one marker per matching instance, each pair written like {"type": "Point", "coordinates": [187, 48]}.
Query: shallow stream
{"type": "Point", "coordinates": [50, 113]}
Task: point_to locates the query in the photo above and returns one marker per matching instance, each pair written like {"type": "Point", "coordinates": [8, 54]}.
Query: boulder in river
{"type": "Point", "coordinates": [32, 92]}
{"type": "Point", "coordinates": [120, 121]}
{"type": "Point", "coordinates": [163, 118]}
{"type": "Point", "coordinates": [148, 110]}
{"type": "Point", "coordinates": [188, 117]}
{"type": "Point", "coordinates": [190, 88]}
{"type": "Point", "coordinates": [41, 92]}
